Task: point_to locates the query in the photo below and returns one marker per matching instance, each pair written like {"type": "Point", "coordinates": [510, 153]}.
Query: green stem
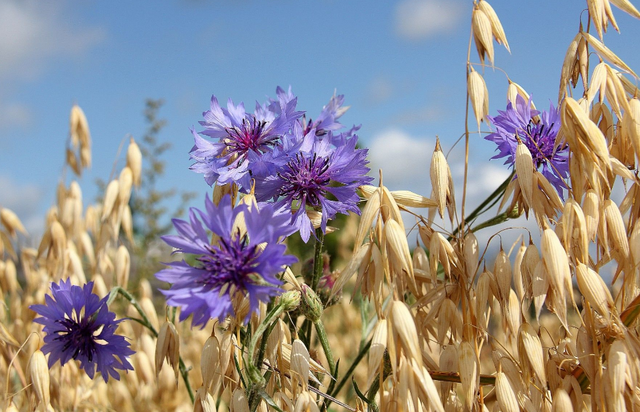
{"type": "Point", "coordinates": [324, 341]}
{"type": "Point", "coordinates": [478, 210]}
{"type": "Point", "coordinates": [351, 369]}
{"type": "Point", "coordinates": [271, 316]}
{"type": "Point", "coordinates": [306, 332]}
{"type": "Point", "coordinates": [253, 365]}
{"type": "Point", "coordinates": [317, 260]}
{"type": "Point", "coordinates": [146, 323]}
{"type": "Point", "coordinates": [501, 218]}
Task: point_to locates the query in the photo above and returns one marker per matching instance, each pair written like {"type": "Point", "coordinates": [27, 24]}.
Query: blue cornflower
{"type": "Point", "coordinates": [239, 264]}
{"type": "Point", "coordinates": [538, 131]}
{"type": "Point", "coordinates": [322, 173]}
{"type": "Point", "coordinates": [242, 138]}
{"type": "Point", "coordinates": [80, 326]}
{"type": "Point", "coordinates": [327, 121]}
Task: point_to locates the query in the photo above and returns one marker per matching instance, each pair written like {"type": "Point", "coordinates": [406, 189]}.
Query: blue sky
{"type": "Point", "coordinates": [400, 64]}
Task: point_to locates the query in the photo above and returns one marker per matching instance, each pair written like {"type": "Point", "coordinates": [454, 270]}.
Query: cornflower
{"type": "Point", "coordinates": [79, 325]}
{"type": "Point", "coordinates": [320, 173]}
{"type": "Point", "coordinates": [242, 138]}
{"type": "Point", "coordinates": [538, 131]}
{"type": "Point", "coordinates": [240, 264]}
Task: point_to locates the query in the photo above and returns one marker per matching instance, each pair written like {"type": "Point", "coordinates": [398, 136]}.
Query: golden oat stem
{"type": "Point", "coordinates": [466, 135]}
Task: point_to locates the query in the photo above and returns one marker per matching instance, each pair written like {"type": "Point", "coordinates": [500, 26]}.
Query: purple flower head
{"type": "Point", "coordinates": [241, 137]}
{"type": "Point", "coordinates": [538, 134]}
{"type": "Point", "coordinates": [327, 121]}
{"type": "Point", "coordinates": [80, 326]}
{"type": "Point", "coordinates": [245, 264]}
{"type": "Point", "coordinates": [316, 173]}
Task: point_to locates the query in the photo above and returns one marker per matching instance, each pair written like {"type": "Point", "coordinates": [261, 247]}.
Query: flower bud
{"type": "Point", "coordinates": [290, 300]}
{"type": "Point", "coordinates": [311, 305]}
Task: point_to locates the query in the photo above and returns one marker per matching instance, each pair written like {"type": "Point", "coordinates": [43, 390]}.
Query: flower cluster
{"type": "Point", "coordinates": [241, 263]}
{"type": "Point", "coordinates": [538, 131]}
{"type": "Point", "coordinates": [295, 163]}
{"type": "Point", "coordinates": [80, 326]}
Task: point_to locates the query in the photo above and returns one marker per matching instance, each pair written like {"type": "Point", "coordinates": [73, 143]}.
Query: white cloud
{"type": "Point", "coordinates": [421, 19]}
{"type": "Point", "coordinates": [25, 200]}
{"type": "Point", "coordinates": [33, 32]}
{"type": "Point", "coordinates": [404, 160]}
{"type": "Point", "coordinates": [14, 115]}
{"type": "Point", "coordinates": [379, 90]}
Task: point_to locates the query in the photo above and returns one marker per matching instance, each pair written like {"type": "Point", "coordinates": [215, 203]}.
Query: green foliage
{"type": "Point", "coordinates": [149, 210]}
{"type": "Point", "coordinates": [151, 216]}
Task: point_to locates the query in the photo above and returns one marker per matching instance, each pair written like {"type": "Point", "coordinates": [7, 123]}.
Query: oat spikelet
{"type": "Point", "coordinates": [631, 125]}
{"type": "Point", "coordinates": [204, 402]}
{"type": "Point", "coordinates": [478, 94]}
{"type": "Point", "coordinates": [403, 326]}
{"type": "Point", "coordinates": [627, 7]}
{"type": "Point", "coordinates": [125, 181]}
{"type": "Point", "coordinates": [567, 66]}
{"type": "Point", "coordinates": [122, 266]}
{"type": "Point", "coordinates": [110, 198]}
{"type": "Point", "coordinates": [514, 90]}
{"type": "Point", "coordinates": [524, 169]}
{"type": "Point", "coordinates": [410, 199]}
{"type": "Point", "coordinates": [482, 34]}
{"type": "Point", "coordinates": [471, 253]}
{"type": "Point", "coordinates": [561, 401]}
{"type": "Point", "coordinates": [597, 13]}
{"type": "Point", "coordinates": [239, 402]}
{"type": "Point", "coordinates": [168, 347]}
{"type": "Point", "coordinates": [134, 161]}
{"type": "Point", "coordinates": [594, 290]}
{"type": "Point", "coordinates": [424, 384]}
{"type": "Point", "coordinates": [11, 222]}
{"type": "Point", "coordinates": [530, 350]}
{"type": "Point", "coordinates": [605, 52]}
{"type": "Point", "coordinates": [556, 263]}
{"type": "Point", "coordinates": [397, 241]}
{"type": "Point", "coordinates": [504, 392]}
{"type": "Point", "coordinates": [299, 365]}
{"type": "Point", "coordinates": [469, 372]}
{"type": "Point", "coordinates": [615, 229]}
{"type": "Point", "coordinates": [617, 373]}
{"type": "Point", "coordinates": [591, 208]}
{"type": "Point", "coordinates": [39, 377]}
{"type": "Point", "coordinates": [378, 347]}
{"type": "Point", "coordinates": [634, 244]}
{"type": "Point", "coordinates": [496, 26]}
